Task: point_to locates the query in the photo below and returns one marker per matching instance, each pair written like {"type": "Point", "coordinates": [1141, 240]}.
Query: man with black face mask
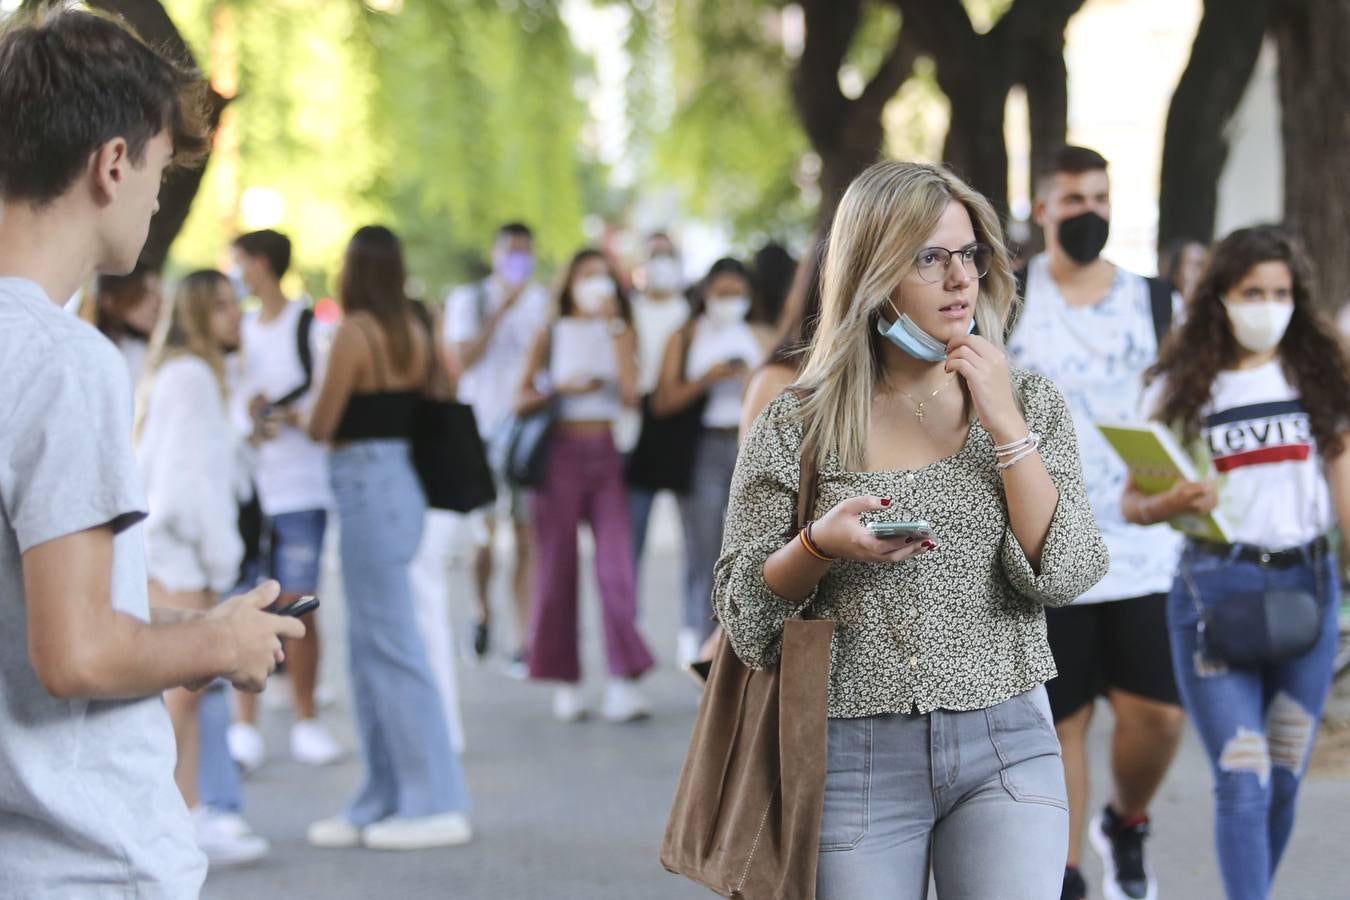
{"type": "Point", "coordinates": [1093, 328]}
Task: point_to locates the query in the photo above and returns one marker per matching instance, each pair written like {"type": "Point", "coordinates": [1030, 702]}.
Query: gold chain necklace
{"type": "Point", "coordinates": [919, 404]}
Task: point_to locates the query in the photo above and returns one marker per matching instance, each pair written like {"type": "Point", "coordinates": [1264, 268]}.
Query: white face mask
{"type": "Point", "coordinates": [663, 275]}
{"type": "Point", "coordinates": [728, 310]}
{"type": "Point", "coordinates": [591, 294]}
{"type": "Point", "coordinates": [1259, 327]}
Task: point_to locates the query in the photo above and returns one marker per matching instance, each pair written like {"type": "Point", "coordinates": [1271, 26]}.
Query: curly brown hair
{"type": "Point", "coordinates": [1203, 345]}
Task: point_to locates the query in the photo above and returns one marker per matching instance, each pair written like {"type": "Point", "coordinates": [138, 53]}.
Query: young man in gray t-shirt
{"type": "Point", "coordinates": [88, 805]}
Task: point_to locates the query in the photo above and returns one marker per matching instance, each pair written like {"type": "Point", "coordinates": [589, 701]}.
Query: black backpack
{"type": "Point", "coordinates": [302, 332]}
{"type": "Point", "coordinates": [1159, 296]}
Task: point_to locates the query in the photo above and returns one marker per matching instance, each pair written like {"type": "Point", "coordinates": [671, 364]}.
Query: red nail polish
{"type": "Point", "coordinates": [909, 540]}
{"type": "Point", "coordinates": [930, 545]}
{"type": "Point", "coordinates": [885, 501]}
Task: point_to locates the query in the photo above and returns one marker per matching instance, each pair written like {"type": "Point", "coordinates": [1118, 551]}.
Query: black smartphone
{"type": "Point", "coordinates": [300, 607]}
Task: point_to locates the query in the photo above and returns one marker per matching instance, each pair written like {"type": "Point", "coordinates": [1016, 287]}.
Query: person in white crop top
{"type": "Point", "coordinates": [1255, 384]}
{"type": "Point", "coordinates": [584, 367]}
{"type": "Point", "coordinates": [709, 362]}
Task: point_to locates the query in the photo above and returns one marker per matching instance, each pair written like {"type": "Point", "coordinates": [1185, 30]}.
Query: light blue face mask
{"type": "Point", "coordinates": [912, 339]}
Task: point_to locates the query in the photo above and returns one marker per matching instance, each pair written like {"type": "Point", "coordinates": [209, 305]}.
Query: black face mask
{"type": "Point", "coordinates": [1084, 236]}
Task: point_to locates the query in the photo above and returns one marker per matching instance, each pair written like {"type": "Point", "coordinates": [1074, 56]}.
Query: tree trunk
{"type": "Point", "coordinates": [975, 148]}
{"type": "Point", "coordinates": [846, 133]}
{"type": "Point", "coordinates": [153, 24]}
{"type": "Point", "coordinates": [1195, 145]}
{"type": "Point", "coordinates": [1314, 77]}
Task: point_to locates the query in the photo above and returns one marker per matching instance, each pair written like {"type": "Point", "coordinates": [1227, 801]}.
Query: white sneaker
{"type": "Point", "coordinates": [246, 746]}
{"type": "Point", "coordinates": [226, 839]}
{"type": "Point", "coordinates": [687, 646]}
{"type": "Point", "coordinates": [447, 830]}
{"type": "Point", "coordinates": [624, 703]}
{"type": "Point", "coordinates": [334, 834]}
{"type": "Point", "coordinates": [313, 744]}
{"type": "Point", "coordinates": [568, 704]}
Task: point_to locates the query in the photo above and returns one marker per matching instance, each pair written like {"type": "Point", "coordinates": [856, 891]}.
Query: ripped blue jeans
{"type": "Point", "coordinates": [1257, 723]}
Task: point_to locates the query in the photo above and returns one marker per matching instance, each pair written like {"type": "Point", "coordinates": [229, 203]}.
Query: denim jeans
{"type": "Point", "coordinates": [410, 769]}
{"type": "Point", "coordinates": [703, 512]}
{"type": "Point", "coordinates": [1257, 723]}
{"type": "Point", "coordinates": [217, 774]}
{"type": "Point", "coordinates": [977, 795]}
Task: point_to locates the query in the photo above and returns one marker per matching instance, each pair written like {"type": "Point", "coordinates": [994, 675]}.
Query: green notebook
{"type": "Point", "coordinates": [1156, 462]}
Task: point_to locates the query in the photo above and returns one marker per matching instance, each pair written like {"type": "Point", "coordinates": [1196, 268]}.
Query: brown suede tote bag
{"type": "Point", "coordinates": [746, 817]}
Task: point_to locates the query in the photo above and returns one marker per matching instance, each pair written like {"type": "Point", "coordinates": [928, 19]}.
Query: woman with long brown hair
{"type": "Point", "coordinates": [585, 364]}
{"type": "Point", "coordinates": [1255, 383]}
{"type": "Point", "coordinates": [413, 795]}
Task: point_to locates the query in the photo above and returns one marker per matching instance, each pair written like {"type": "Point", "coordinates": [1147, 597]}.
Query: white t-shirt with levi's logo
{"type": "Point", "coordinates": [1256, 440]}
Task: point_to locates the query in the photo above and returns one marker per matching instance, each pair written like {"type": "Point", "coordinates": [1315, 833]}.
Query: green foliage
{"type": "Point", "coordinates": [440, 118]}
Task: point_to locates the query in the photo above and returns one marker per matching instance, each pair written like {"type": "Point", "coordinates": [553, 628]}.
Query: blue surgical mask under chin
{"type": "Point", "coordinates": [912, 339]}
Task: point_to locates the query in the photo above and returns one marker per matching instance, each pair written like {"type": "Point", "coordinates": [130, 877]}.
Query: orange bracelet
{"type": "Point", "coordinates": [810, 545]}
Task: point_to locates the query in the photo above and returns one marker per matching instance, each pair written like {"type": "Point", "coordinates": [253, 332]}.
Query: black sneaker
{"type": "Point", "coordinates": [1121, 847]}
{"type": "Point", "coordinates": [480, 640]}
{"type": "Point", "coordinates": [1075, 888]}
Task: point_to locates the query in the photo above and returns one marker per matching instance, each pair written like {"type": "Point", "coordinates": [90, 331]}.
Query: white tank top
{"type": "Point", "coordinates": [584, 348]}
{"type": "Point", "coordinates": [713, 344]}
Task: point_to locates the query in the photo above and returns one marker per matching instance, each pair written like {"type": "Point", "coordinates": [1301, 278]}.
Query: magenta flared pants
{"type": "Point", "coordinates": [584, 483]}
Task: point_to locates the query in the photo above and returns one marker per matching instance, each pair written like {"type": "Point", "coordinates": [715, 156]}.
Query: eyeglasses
{"type": "Point", "coordinates": [932, 262]}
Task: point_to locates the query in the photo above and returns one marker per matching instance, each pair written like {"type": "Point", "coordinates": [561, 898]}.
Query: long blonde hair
{"type": "Point", "coordinates": [185, 325]}
{"type": "Point", "coordinates": [882, 223]}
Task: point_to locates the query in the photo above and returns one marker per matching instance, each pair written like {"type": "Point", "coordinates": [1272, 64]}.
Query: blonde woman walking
{"type": "Point", "coordinates": [941, 755]}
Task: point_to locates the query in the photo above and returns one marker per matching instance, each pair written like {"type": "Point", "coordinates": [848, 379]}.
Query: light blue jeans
{"type": "Point", "coordinates": [703, 512]}
{"type": "Point", "coordinates": [1257, 722]}
{"type": "Point", "coordinates": [978, 796]}
{"type": "Point", "coordinates": [410, 770]}
{"type": "Point", "coordinates": [217, 774]}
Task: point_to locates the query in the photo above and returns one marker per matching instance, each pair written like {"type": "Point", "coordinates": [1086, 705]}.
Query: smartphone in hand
{"type": "Point", "coordinates": [301, 607]}
{"type": "Point", "coordinates": [919, 530]}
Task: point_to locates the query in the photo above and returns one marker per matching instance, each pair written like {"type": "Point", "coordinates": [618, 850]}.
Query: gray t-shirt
{"type": "Point", "coordinates": [88, 805]}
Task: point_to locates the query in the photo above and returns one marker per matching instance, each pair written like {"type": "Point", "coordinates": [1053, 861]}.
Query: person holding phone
{"type": "Point", "coordinates": [585, 364]}
{"type": "Point", "coordinates": [1255, 382]}
{"type": "Point", "coordinates": [708, 361]}
{"type": "Point", "coordinates": [939, 650]}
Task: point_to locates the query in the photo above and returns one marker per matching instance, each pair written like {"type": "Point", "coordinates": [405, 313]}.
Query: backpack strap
{"type": "Point", "coordinates": [303, 329]}
{"type": "Point", "coordinates": [1160, 302]}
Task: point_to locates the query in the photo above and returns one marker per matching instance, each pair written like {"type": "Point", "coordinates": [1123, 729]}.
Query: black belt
{"type": "Point", "coordinates": [1270, 559]}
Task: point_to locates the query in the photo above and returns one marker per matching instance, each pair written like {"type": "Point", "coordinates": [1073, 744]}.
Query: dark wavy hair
{"type": "Point", "coordinates": [1203, 345]}
{"type": "Point", "coordinates": [567, 306]}
{"type": "Point", "coordinates": [372, 280]}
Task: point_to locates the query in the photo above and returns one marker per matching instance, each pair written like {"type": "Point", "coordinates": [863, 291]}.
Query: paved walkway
{"type": "Point", "coordinates": [577, 811]}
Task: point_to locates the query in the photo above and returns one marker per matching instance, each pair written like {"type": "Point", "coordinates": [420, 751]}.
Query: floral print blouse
{"type": "Point", "coordinates": [959, 628]}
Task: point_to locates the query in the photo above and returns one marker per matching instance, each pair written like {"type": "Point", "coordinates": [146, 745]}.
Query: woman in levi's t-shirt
{"type": "Point", "coordinates": [1255, 381]}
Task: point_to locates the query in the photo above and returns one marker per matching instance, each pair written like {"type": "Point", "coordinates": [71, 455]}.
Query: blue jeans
{"type": "Point", "coordinates": [410, 770]}
{"type": "Point", "coordinates": [640, 502]}
{"type": "Point", "coordinates": [1257, 723]}
{"type": "Point", "coordinates": [978, 796]}
{"type": "Point", "coordinates": [297, 546]}
{"type": "Point", "coordinates": [703, 512]}
{"type": "Point", "coordinates": [217, 775]}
